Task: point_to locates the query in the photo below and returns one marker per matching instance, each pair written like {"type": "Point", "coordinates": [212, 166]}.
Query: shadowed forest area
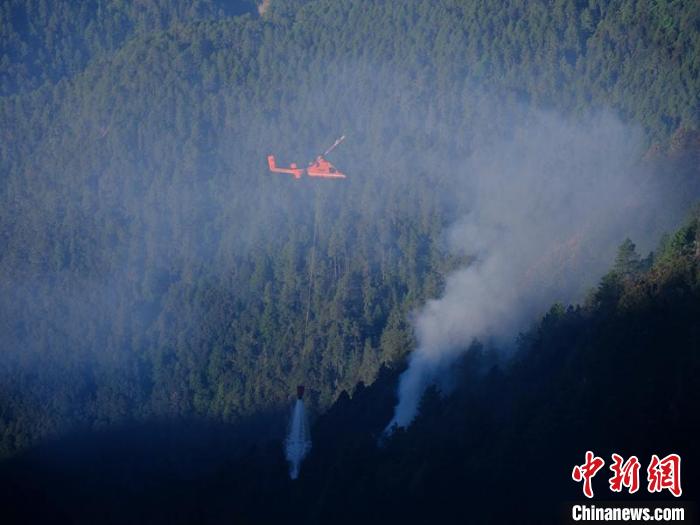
{"type": "Point", "coordinates": [162, 294]}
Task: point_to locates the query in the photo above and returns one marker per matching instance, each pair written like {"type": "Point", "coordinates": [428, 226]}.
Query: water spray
{"type": "Point", "coordinates": [298, 442]}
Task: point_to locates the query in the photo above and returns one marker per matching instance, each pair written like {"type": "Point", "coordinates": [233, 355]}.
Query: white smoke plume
{"type": "Point", "coordinates": [298, 442]}
{"type": "Point", "coordinates": [544, 213]}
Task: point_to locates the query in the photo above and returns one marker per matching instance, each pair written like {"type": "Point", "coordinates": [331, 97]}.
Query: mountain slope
{"type": "Point", "coordinates": [614, 375]}
{"type": "Point", "coordinates": [151, 268]}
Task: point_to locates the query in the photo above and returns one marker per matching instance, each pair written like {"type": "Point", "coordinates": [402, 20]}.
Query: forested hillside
{"type": "Point", "coordinates": [151, 268]}
{"type": "Point", "coordinates": [43, 42]}
{"type": "Point", "coordinates": [615, 374]}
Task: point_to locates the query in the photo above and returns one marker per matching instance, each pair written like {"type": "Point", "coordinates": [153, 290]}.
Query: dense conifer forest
{"type": "Point", "coordinates": [162, 294]}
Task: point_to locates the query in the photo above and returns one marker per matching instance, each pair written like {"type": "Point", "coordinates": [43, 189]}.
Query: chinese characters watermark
{"type": "Point", "coordinates": [662, 473]}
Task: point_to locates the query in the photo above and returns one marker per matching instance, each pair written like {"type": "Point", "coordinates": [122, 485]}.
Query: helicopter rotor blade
{"type": "Point", "coordinates": [335, 145]}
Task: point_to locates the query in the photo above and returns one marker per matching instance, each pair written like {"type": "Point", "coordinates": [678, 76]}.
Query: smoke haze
{"type": "Point", "coordinates": [546, 209]}
{"type": "Point", "coordinates": [149, 243]}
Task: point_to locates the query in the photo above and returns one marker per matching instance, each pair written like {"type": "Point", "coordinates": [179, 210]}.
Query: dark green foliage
{"type": "Point", "coordinates": [614, 377]}
{"type": "Point", "coordinates": [627, 262]}
{"type": "Point", "coordinates": [149, 267]}
{"type": "Point", "coordinates": [617, 376]}
{"type": "Point", "coordinates": [44, 41]}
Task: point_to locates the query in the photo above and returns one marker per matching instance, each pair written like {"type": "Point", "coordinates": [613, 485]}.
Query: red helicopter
{"type": "Point", "coordinates": [320, 167]}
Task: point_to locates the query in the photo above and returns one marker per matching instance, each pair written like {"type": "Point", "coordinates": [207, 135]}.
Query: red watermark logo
{"type": "Point", "coordinates": [662, 474]}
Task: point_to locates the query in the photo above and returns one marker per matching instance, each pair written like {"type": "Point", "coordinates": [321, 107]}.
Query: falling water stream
{"type": "Point", "coordinates": [298, 442]}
